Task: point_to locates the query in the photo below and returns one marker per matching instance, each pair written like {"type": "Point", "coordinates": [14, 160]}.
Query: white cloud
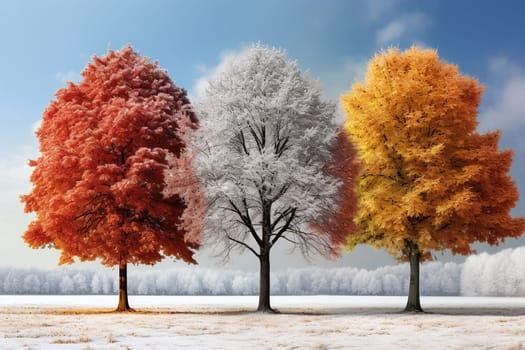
{"type": "Point", "coordinates": [14, 181]}
{"type": "Point", "coordinates": [506, 95]}
{"type": "Point", "coordinates": [355, 69]}
{"type": "Point", "coordinates": [69, 76]}
{"type": "Point", "coordinates": [422, 45]}
{"type": "Point", "coordinates": [410, 25]}
{"type": "Point", "coordinates": [340, 79]}
{"type": "Point", "coordinates": [36, 125]}
{"type": "Point", "coordinates": [199, 88]}
{"type": "Point", "coordinates": [375, 9]}
{"type": "Point", "coordinates": [14, 174]}
{"type": "Point", "coordinates": [201, 68]}
{"type": "Point", "coordinates": [503, 66]}
{"type": "Point", "coordinates": [201, 84]}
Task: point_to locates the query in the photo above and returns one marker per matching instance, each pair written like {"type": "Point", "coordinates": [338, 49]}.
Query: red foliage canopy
{"type": "Point", "coordinates": [98, 184]}
{"type": "Point", "coordinates": [344, 166]}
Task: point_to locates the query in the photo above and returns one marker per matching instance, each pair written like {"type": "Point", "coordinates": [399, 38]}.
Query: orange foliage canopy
{"type": "Point", "coordinates": [428, 179]}
{"type": "Point", "coordinates": [98, 184]}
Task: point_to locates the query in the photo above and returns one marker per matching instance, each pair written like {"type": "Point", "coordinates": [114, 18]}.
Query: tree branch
{"type": "Point", "coordinates": [244, 244]}
{"type": "Point", "coordinates": [243, 143]}
{"type": "Point", "coordinates": [259, 135]}
{"type": "Point", "coordinates": [285, 226]}
{"type": "Point", "coordinates": [281, 147]}
{"type": "Point", "coordinates": [280, 217]}
{"type": "Point", "coordinates": [289, 240]}
{"type": "Point", "coordinates": [256, 138]}
{"type": "Point", "coordinates": [280, 193]}
{"type": "Point", "coordinates": [246, 220]}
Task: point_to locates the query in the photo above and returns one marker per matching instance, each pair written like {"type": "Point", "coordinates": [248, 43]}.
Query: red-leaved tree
{"type": "Point", "coordinates": [98, 185]}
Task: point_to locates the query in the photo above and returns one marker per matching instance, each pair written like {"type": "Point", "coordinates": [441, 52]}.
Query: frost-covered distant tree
{"type": "Point", "coordinates": [12, 283]}
{"type": "Point", "coordinates": [264, 141]}
{"type": "Point", "coordinates": [31, 284]}
{"type": "Point", "coordinates": [67, 285]}
{"type": "Point", "coordinates": [96, 287]}
{"type": "Point", "coordinates": [81, 285]}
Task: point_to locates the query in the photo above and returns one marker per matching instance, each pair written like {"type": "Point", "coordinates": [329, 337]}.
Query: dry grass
{"type": "Point", "coordinates": [84, 339]}
{"type": "Point", "coordinates": [77, 311]}
{"type": "Point", "coordinates": [70, 340]}
{"type": "Point", "coordinates": [145, 311]}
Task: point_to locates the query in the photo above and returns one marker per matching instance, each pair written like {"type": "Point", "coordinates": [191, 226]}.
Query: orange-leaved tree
{"type": "Point", "coordinates": [98, 185]}
{"type": "Point", "coordinates": [428, 180]}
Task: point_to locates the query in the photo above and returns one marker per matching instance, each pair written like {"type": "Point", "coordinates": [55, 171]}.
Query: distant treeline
{"type": "Point", "coordinates": [502, 274]}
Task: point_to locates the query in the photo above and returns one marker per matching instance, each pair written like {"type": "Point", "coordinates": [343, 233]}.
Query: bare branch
{"type": "Point", "coordinates": [246, 221]}
{"type": "Point", "coordinates": [243, 142]}
{"type": "Point", "coordinates": [280, 217]}
{"type": "Point", "coordinates": [289, 239]}
{"type": "Point", "coordinates": [281, 192]}
{"type": "Point", "coordinates": [279, 142]}
{"type": "Point", "coordinates": [285, 226]}
{"type": "Point", "coordinates": [258, 141]}
{"type": "Point", "coordinates": [243, 244]}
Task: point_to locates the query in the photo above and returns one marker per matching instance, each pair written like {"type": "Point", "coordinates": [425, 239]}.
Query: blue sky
{"type": "Point", "coordinates": [46, 43]}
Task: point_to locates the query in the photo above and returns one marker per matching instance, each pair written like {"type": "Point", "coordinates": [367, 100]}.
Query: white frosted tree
{"type": "Point", "coordinates": [262, 148]}
{"type": "Point", "coordinates": [96, 287]}
{"type": "Point", "coordinates": [12, 283]}
{"type": "Point", "coordinates": [81, 283]}
{"type": "Point", "coordinates": [31, 284]}
{"type": "Point", "coordinates": [67, 285]}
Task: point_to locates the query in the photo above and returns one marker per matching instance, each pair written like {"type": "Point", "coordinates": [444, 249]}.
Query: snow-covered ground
{"type": "Point", "coordinates": [226, 322]}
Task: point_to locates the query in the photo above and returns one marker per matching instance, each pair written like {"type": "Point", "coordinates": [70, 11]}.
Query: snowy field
{"type": "Point", "coordinates": [227, 322]}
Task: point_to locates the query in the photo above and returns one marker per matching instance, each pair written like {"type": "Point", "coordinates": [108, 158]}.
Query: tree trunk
{"type": "Point", "coordinates": [123, 304]}
{"type": "Point", "coordinates": [264, 284]}
{"type": "Point", "coordinates": [414, 300]}
{"type": "Point", "coordinates": [264, 260]}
